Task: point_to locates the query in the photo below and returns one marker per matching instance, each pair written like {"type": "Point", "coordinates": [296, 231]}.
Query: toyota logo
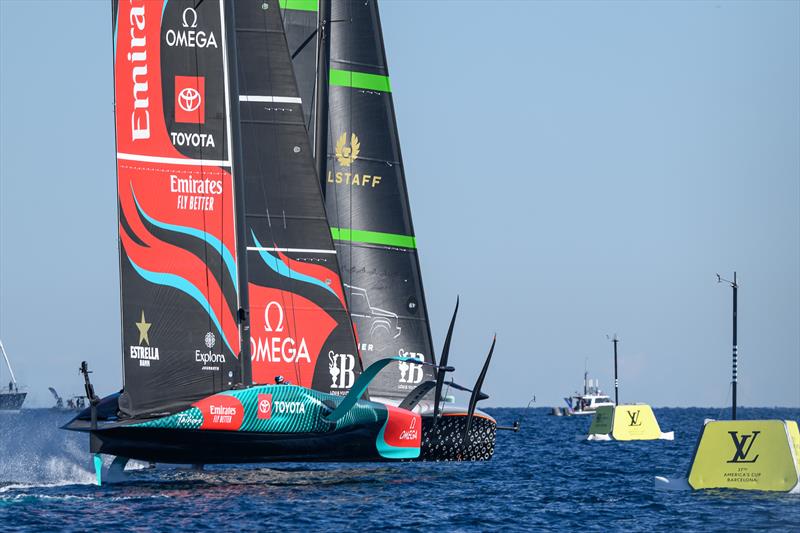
{"type": "Point", "coordinates": [264, 406]}
{"type": "Point", "coordinates": [189, 99]}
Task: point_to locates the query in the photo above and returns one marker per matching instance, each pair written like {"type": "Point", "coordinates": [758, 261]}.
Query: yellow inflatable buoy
{"type": "Point", "coordinates": [626, 422]}
{"type": "Point", "coordinates": [744, 455]}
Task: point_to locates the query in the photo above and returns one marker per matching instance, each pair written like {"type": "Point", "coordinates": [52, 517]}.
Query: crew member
{"type": "Point", "coordinates": [279, 380]}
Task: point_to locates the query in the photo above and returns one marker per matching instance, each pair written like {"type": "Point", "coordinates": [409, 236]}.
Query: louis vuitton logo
{"type": "Point", "coordinates": [742, 446]}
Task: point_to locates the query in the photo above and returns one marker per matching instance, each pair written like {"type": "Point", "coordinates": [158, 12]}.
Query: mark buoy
{"type": "Point", "coordinates": [626, 422]}
{"type": "Point", "coordinates": [744, 455]}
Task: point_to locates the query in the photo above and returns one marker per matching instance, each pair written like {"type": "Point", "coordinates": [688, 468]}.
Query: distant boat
{"type": "Point", "coordinates": [75, 403]}
{"type": "Point", "coordinates": [11, 399]}
{"type": "Point", "coordinates": [588, 402]}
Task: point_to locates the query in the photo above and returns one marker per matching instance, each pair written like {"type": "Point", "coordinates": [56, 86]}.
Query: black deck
{"type": "Point", "coordinates": [180, 446]}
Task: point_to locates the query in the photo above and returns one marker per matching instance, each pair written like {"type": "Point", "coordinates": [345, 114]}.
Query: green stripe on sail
{"type": "Point", "coordinates": [360, 80]}
{"type": "Point", "coordinates": [299, 5]}
{"type": "Point", "coordinates": [374, 237]}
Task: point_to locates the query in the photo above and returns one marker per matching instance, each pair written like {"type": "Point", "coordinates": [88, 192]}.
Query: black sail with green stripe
{"type": "Point", "coordinates": [367, 203]}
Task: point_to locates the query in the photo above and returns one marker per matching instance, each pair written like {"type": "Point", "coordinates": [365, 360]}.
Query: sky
{"type": "Point", "coordinates": [575, 170]}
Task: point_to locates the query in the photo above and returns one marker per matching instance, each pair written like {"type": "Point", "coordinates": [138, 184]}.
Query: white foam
{"type": "Point", "coordinates": [663, 483]}
{"type": "Point", "coordinates": [29, 486]}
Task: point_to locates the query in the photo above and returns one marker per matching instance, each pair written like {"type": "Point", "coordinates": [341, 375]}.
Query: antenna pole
{"type": "Point", "coordinates": [615, 340]}
{"type": "Point", "coordinates": [734, 374]}
{"type": "Point", "coordinates": [585, 376]}
{"type": "Point", "coordinates": [321, 92]}
{"type": "Point", "coordinates": [243, 318]}
{"type": "Point", "coordinates": [735, 348]}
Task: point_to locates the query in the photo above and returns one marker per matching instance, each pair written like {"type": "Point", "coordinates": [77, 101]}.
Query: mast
{"type": "Point", "coordinates": [8, 363]}
{"type": "Point", "coordinates": [245, 365]}
{"type": "Point", "coordinates": [321, 92]}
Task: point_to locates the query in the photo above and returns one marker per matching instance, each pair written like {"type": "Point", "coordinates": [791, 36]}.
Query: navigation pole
{"type": "Point", "coordinates": [321, 92]}
{"type": "Point", "coordinates": [615, 340]}
{"type": "Point", "coordinates": [734, 378]}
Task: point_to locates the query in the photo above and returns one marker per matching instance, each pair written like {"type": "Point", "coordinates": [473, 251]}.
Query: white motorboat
{"type": "Point", "coordinates": [588, 402]}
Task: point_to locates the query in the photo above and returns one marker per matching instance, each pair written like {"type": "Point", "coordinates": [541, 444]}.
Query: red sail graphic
{"type": "Point", "coordinates": [319, 272]}
{"type": "Point", "coordinates": [287, 333]}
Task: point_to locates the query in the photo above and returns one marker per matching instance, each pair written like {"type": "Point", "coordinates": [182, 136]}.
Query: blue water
{"type": "Point", "coordinates": [541, 478]}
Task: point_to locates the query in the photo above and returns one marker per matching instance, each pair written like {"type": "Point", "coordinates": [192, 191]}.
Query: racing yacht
{"type": "Point", "coordinates": [238, 344]}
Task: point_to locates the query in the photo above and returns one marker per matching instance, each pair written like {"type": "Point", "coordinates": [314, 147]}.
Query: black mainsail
{"type": "Point", "coordinates": [367, 203]}
{"type": "Point", "coordinates": [178, 255]}
{"type": "Point", "coordinates": [300, 327]}
{"type": "Point", "coordinates": [181, 237]}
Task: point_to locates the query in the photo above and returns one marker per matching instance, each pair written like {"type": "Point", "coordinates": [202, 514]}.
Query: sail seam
{"type": "Point", "coordinates": [285, 217]}
{"type": "Point", "coordinates": [289, 250]}
{"type": "Point", "coordinates": [366, 245]}
{"type": "Point", "coordinates": [258, 30]}
{"type": "Point", "coordinates": [372, 159]}
{"type": "Point", "coordinates": [275, 122]}
{"type": "Point", "coordinates": [360, 64]}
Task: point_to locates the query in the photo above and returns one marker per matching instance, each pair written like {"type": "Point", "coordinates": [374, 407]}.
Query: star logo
{"type": "Point", "coordinates": [143, 328]}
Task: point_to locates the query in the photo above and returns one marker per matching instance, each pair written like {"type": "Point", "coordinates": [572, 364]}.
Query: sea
{"type": "Point", "coordinates": [541, 479]}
